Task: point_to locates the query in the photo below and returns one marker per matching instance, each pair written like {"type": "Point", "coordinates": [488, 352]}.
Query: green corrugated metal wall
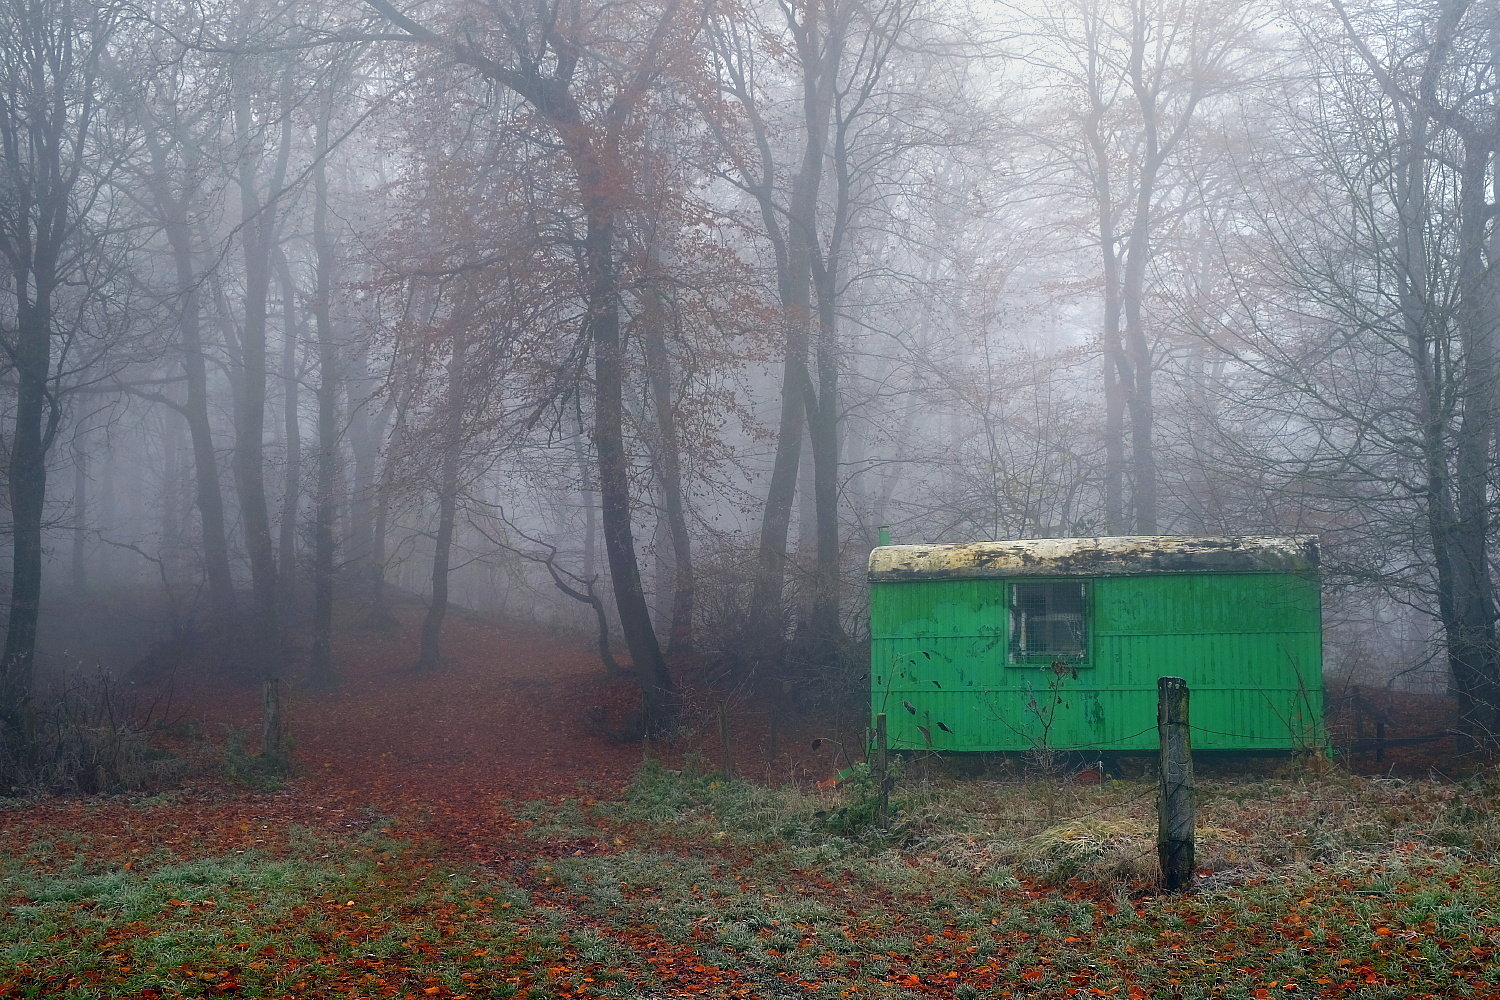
{"type": "Point", "coordinates": [1249, 646]}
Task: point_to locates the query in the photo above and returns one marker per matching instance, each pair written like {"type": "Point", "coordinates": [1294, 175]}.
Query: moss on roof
{"type": "Point", "coordinates": [1108, 556]}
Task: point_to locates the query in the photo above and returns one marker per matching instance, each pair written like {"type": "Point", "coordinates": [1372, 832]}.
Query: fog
{"type": "Point", "coordinates": [649, 316]}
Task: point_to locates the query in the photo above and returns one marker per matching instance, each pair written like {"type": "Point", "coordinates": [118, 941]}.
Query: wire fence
{"type": "Point", "coordinates": [1260, 741]}
{"type": "Point", "coordinates": [1320, 804]}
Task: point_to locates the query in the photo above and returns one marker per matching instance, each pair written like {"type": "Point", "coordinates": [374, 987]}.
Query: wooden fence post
{"type": "Point", "coordinates": [1176, 799]}
{"type": "Point", "coordinates": [270, 720]}
{"type": "Point", "coordinates": [882, 784]}
{"type": "Point", "coordinates": [728, 766]}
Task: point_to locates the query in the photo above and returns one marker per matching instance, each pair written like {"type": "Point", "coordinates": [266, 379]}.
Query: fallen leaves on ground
{"type": "Point", "coordinates": [452, 835]}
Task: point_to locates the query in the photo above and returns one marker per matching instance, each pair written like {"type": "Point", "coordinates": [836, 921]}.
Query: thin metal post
{"type": "Point", "coordinates": [882, 776]}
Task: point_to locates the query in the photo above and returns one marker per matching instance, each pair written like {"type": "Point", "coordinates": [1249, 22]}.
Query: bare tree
{"type": "Point", "coordinates": [292, 328]}
{"type": "Point", "coordinates": [588, 72]}
{"type": "Point", "coordinates": [261, 113]}
{"type": "Point", "coordinates": [1132, 79]}
{"type": "Point", "coordinates": [1361, 381]}
{"type": "Point", "coordinates": [806, 193]}
{"type": "Point", "coordinates": [175, 108]}
{"type": "Point", "coordinates": [56, 161]}
{"type": "Point", "coordinates": [330, 378]}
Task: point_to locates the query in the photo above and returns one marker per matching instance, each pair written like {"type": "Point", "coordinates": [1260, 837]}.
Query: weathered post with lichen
{"type": "Point", "coordinates": [270, 722]}
{"type": "Point", "coordinates": [1176, 798]}
{"type": "Point", "coordinates": [882, 786]}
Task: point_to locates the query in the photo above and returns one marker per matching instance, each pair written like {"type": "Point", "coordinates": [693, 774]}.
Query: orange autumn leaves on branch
{"type": "Point", "coordinates": [589, 80]}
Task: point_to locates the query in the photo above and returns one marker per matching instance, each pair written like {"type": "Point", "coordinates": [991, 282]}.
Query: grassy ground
{"type": "Point", "coordinates": [1314, 884]}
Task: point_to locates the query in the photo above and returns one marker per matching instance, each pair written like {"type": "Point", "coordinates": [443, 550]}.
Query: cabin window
{"type": "Point", "coordinates": [1048, 622]}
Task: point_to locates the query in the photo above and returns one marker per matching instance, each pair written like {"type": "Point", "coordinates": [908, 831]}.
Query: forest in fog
{"type": "Point", "coordinates": [642, 318]}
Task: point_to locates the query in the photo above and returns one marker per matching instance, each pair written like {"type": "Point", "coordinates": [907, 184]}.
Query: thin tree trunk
{"type": "Point", "coordinates": [1429, 373]}
{"type": "Point", "coordinates": [430, 656]}
{"type": "Point", "coordinates": [209, 498]}
{"type": "Point", "coordinates": [174, 209]}
{"type": "Point", "coordinates": [807, 507]}
{"type": "Point", "coordinates": [659, 706]}
{"type": "Point", "coordinates": [170, 550]}
{"type": "Point", "coordinates": [52, 93]}
{"type": "Point", "coordinates": [658, 364]}
{"type": "Point", "coordinates": [80, 515]}
{"type": "Point", "coordinates": [1118, 377]}
{"type": "Point", "coordinates": [321, 669]}
{"type": "Point", "coordinates": [764, 621]}
{"type": "Point", "coordinates": [599, 168]}
{"type": "Point", "coordinates": [819, 55]}
{"type": "Point", "coordinates": [590, 518]}
{"type": "Point", "coordinates": [1138, 349]}
{"type": "Point", "coordinates": [249, 469]}
{"type": "Point", "coordinates": [590, 528]}
{"type": "Point", "coordinates": [291, 495]}
{"type": "Point", "coordinates": [104, 517]}
{"type": "Point", "coordinates": [379, 612]}
{"type": "Point", "coordinates": [1472, 649]}
{"type": "Point", "coordinates": [822, 426]}
{"type": "Point", "coordinates": [258, 236]}
{"type": "Point", "coordinates": [365, 428]}
{"type": "Point", "coordinates": [590, 597]}
{"type": "Point", "coordinates": [35, 419]}
{"type": "Point", "coordinates": [1115, 365]}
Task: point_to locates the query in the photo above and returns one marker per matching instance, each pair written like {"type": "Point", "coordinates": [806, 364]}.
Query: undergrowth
{"type": "Point", "coordinates": [83, 738]}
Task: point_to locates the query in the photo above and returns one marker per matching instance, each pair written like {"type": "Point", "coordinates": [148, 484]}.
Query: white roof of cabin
{"type": "Point", "coordinates": [1114, 555]}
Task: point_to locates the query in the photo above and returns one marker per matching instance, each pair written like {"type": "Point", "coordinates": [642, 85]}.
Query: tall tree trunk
{"type": "Point", "coordinates": [819, 51]}
{"type": "Point", "coordinates": [764, 621]}
{"type": "Point", "coordinates": [1117, 371]}
{"type": "Point", "coordinates": [249, 467]}
{"type": "Point", "coordinates": [659, 699]}
{"type": "Point", "coordinates": [80, 515]}
{"type": "Point", "coordinates": [321, 666]}
{"type": "Point", "coordinates": [600, 171]}
{"type": "Point", "coordinates": [590, 595]}
{"type": "Point", "coordinates": [658, 364]}
{"type": "Point", "coordinates": [36, 419]}
{"type": "Point", "coordinates": [104, 518]}
{"type": "Point", "coordinates": [1453, 547]}
{"type": "Point", "coordinates": [430, 656]}
{"type": "Point", "coordinates": [807, 507]}
{"type": "Point", "coordinates": [209, 496]}
{"type": "Point", "coordinates": [585, 480]}
{"type": "Point", "coordinates": [52, 92]}
{"type": "Point", "coordinates": [1473, 656]}
{"type": "Point", "coordinates": [291, 493]}
{"type": "Point", "coordinates": [259, 228]}
{"type": "Point", "coordinates": [366, 426]}
{"type": "Point", "coordinates": [822, 425]}
{"type": "Point", "coordinates": [170, 550]}
{"type": "Point", "coordinates": [823, 430]}
{"type": "Point", "coordinates": [1137, 387]}
{"type": "Point", "coordinates": [384, 494]}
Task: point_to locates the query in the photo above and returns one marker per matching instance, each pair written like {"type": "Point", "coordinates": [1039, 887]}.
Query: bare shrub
{"type": "Point", "coordinates": [83, 738]}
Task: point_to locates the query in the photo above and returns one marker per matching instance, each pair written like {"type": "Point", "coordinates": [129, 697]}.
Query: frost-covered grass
{"type": "Point", "coordinates": [1316, 883]}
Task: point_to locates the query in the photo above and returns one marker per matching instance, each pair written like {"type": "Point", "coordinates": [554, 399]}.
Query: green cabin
{"type": "Point", "coordinates": [1058, 642]}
